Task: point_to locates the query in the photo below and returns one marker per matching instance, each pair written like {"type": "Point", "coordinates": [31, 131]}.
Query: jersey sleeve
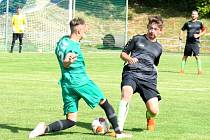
{"type": "Point", "coordinates": [13, 19]}
{"type": "Point", "coordinates": [202, 26]}
{"type": "Point", "coordinates": [184, 27]}
{"type": "Point", "coordinates": [157, 59]}
{"type": "Point", "coordinates": [24, 20]}
{"type": "Point", "coordinates": [62, 50]}
{"type": "Point", "coordinates": [129, 46]}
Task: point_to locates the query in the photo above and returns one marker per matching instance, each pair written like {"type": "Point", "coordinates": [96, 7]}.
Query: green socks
{"type": "Point", "coordinates": [199, 64]}
{"type": "Point", "coordinates": [183, 64]}
{"type": "Point", "coordinates": [149, 115]}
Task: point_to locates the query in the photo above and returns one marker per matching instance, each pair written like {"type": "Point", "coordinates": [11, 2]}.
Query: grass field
{"type": "Point", "coordinates": [29, 93]}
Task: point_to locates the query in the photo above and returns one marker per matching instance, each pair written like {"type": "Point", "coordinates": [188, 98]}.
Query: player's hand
{"type": "Point", "coordinates": [180, 38]}
{"type": "Point", "coordinates": [132, 60]}
{"type": "Point", "coordinates": [71, 57]}
{"type": "Point", "coordinates": [196, 35]}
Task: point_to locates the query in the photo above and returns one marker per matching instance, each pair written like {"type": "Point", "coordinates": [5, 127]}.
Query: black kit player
{"type": "Point", "coordinates": [141, 55]}
{"type": "Point", "coordinates": [76, 84]}
{"type": "Point", "coordinates": [195, 28]}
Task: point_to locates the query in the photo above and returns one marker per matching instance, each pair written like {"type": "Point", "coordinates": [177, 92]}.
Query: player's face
{"type": "Point", "coordinates": [194, 15]}
{"type": "Point", "coordinates": [153, 31]}
{"type": "Point", "coordinates": [18, 11]}
{"type": "Point", "coordinates": [82, 30]}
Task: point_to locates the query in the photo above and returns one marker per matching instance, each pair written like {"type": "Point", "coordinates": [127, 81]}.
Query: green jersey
{"type": "Point", "coordinates": [75, 75]}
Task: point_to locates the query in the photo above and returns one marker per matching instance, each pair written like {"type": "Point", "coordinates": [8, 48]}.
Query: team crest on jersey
{"type": "Point", "coordinates": [139, 45]}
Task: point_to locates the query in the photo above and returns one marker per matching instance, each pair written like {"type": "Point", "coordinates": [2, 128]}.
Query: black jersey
{"type": "Point", "coordinates": [148, 54]}
{"type": "Point", "coordinates": [192, 28]}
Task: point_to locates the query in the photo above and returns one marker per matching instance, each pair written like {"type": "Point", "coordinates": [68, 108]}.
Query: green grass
{"type": "Point", "coordinates": [29, 93]}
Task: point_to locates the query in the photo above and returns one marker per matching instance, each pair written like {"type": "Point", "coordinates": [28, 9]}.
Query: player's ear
{"type": "Point", "coordinates": [161, 31]}
{"type": "Point", "coordinates": [79, 29]}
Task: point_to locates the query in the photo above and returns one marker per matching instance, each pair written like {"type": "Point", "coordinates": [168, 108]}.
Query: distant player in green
{"type": "Point", "coordinates": [76, 84]}
{"type": "Point", "coordinates": [195, 28]}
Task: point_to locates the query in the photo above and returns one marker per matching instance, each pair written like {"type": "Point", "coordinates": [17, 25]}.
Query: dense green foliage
{"type": "Point", "coordinates": [13, 4]}
{"type": "Point", "coordinates": [203, 6]}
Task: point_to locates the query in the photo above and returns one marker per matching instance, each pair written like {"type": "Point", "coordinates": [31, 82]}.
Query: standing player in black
{"type": "Point", "coordinates": [195, 29]}
{"type": "Point", "coordinates": [141, 55]}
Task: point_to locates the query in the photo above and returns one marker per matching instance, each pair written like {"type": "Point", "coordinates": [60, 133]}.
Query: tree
{"type": "Point", "coordinates": [203, 7]}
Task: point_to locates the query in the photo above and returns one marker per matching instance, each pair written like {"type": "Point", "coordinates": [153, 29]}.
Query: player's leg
{"type": "Point", "coordinates": [152, 110]}
{"type": "Point", "coordinates": [126, 95]}
{"type": "Point", "coordinates": [187, 52]}
{"type": "Point", "coordinates": [184, 59]}
{"type": "Point", "coordinates": [151, 97]}
{"type": "Point", "coordinates": [128, 86]}
{"type": "Point", "coordinates": [110, 113]}
{"type": "Point", "coordinates": [70, 110]}
{"type": "Point", "coordinates": [196, 50]}
{"type": "Point", "coordinates": [198, 60]}
{"type": "Point", "coordinates": [59, 125]}
{"type": "Point", "coordinates": [70, 121]}
{"type": "Point", "coordinates": [93, 96]}
{"type": "Point", "coordinates": [20, 36]}
{"type": "Point", "coordinates": [14, 37]}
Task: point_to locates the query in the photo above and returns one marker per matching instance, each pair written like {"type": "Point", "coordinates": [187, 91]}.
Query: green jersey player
{"type": "Point", "coordinates": [76, 84]}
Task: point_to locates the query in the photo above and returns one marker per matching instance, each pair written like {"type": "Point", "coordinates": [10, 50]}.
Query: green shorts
{"type": "Point", "coordinates": [90, 92]}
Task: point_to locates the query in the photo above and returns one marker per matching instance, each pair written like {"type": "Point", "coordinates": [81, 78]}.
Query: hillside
{"type": "Point", "coordinates": [48, 21]}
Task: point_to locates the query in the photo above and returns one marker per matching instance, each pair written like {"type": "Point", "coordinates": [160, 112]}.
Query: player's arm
{"type": "Point", "coordinates": [13, 24]}
{"type": "Point", "coordinates": [13, 19]}
{"type": "Point", "coordinates": [202, 31]}
{"type": "Point", "coordinates": [180, 35]}
{"type": "Point", "coordinates": [185, 26]}
{"type": "Point", "coordinates": [126, 51]}
{"type": "Point", "coordinates": [157, 60]}
{"type": "Point", "coordinates": [69, 59]}
{"type": "Point", "coordinates": [24, 20]}
{"type": "Point", "coordinates": [127, 58]}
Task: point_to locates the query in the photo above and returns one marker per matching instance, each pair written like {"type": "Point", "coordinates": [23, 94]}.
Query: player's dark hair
{"type": "Point", "coordinates": [18, 7]}
{"type": "Point", "coordinates": [75, 22]}
{"type": "Point", "coordinates": [156, 19]}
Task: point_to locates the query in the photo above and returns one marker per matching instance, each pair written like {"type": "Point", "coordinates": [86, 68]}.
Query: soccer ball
{"type": "Point", "coordinates": [100, 126]}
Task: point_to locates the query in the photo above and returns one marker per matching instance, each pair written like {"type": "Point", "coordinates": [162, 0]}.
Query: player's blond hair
{"type": "Point", "coordinates": [75, 22]}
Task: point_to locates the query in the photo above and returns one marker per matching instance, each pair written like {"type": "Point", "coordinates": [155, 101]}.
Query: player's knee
{"type": "Point", "coordinates": [126, 96]}
{"type": "Point", "coordinates": [102, 101]}
{"type": "Point", "coordinates": [154, 111]}
{"type": "Point", "coordinates": [127, 93]}
{"type": "Point", "coordinates": [71, 117]}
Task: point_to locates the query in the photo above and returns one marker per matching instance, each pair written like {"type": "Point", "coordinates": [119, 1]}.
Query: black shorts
{"type": "Point", "coordinates": [191, 49]}
{"type": "Point", "coordinates": [147, 90]}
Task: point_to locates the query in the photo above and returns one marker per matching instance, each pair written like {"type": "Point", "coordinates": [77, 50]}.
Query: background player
{"type": "Point", "coordinates": [18, 27]}
{"type": "Point", "coordinates": [195, 29]}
